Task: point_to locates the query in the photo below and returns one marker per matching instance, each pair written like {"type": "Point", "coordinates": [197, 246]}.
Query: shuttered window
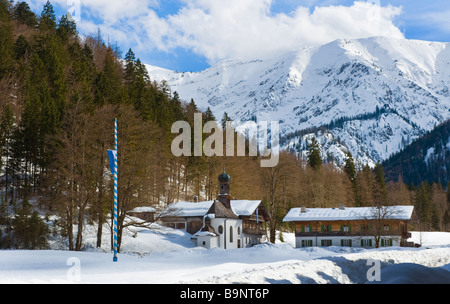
{"type": "Point", "coordinates": [325, 228]}
{"type": "Point", "coordinates": [307, 243]}
{"type": "Point", "coordinates": [366, 242]}
{"type": "Point", "coordinates": [325, 243]}
{"type": "Point", "coordinates": [306, 228]}
{"type": "Point", "coordinates": [346, 243]}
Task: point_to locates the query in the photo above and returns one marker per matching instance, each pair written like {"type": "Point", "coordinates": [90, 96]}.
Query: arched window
{"type": "Point", "coordinates": [220, 229]}
{"type": "Point", "coordinates": [231, 234]}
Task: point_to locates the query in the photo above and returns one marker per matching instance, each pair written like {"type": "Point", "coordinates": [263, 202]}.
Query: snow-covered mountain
{"type": "Point", "coordinates": [374, 95]}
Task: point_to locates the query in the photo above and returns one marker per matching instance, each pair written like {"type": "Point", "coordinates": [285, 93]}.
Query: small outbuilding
{"type": "Point", "coordinates": [144, 213]}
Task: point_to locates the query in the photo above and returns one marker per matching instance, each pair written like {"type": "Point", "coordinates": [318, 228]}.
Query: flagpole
{"type": "Point", "coordinates": [115, 191]}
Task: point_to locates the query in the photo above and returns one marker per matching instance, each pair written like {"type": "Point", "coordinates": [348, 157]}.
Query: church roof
{"type": "Point", "coordinates": [220, 211]}
{"type": "Point", "coordinates": [206, 230]}
{"type": "Point", "coordinates": [224, 178]}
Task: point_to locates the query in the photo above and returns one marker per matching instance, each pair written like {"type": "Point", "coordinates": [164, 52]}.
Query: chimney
{"type": "Point", "coordinates": [195, 199]}
{"type": "Point", "coordinates": [341, 207]}
{"type": "Point", "coordinates": [303, 209]}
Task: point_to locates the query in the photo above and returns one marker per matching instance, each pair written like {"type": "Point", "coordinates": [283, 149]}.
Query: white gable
{"type": "Point", "coordinates": [244, 207]}
{"type": "Point", "coordinates": [348, 213]}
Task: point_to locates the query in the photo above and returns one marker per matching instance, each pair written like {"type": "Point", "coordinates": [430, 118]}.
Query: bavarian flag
{"type": "Point", "coordinates": [112, 154]}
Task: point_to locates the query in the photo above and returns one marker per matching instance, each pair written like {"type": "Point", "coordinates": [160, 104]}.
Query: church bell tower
{"type": "Point", "coordinates": [224, 189]}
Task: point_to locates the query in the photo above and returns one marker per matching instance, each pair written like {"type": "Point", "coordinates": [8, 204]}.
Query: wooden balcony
{"type": "Point", "coordinates": [254, 231]}
{"type": "Point", "coordinates": [347, 233]}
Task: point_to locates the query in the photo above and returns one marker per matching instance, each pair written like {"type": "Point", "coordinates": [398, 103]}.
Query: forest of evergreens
{"type": "Point", "coordinates": [425, 159]}
{"type": "Point", "coordinates": [59, 95]}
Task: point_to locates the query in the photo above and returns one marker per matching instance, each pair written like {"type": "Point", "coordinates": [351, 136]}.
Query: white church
{"type": "Point", "coordinates": [222, 223]}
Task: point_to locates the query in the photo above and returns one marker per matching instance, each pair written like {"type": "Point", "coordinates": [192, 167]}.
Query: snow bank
{"type": "Point", "coordinates": [162, 255]}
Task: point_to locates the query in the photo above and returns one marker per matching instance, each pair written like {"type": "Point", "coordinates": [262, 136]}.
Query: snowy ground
{"type": "Point", "coordinates": [167, 256]}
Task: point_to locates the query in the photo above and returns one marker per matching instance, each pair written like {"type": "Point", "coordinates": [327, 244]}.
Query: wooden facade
{"type": "Point", "coordinates": [144, 213]}
{"type": "Point", "coordinates": [356, 227]}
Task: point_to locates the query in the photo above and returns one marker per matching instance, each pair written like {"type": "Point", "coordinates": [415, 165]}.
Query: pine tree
{"type": "Point", "coordinates": [224, 120]}
{"type": "Point", "coordinates": [209, 116]}
{"type": "Point", "coordinates": [349, 167]}
{"type": "Point", "coordinates": [6, 39]}
{"type": "Point", "coordinates": [6, 135]}
{"type": "Point", "coordinates": [47, 20]}
{"type": "Point", "coordinates": [108, 84]}
{"type": "Point", "coordinates": [21, 47]}
{"type": "Point", "coordinates": [67, 28]}
{"type": "Point", "coordinates": [380, 194]}
{"type": "Point", "coordinates": [314, 156]}
{"type": "Point", "coordinates": [130, 66]}
{"type": "Point", "coordinates": [30, 231]}
{"type": "Point", "coordinates": [24, 15]}
{"type": "Point", "coordinates": [423, 206]}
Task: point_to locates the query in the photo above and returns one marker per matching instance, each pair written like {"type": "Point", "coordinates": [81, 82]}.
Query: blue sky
{"type": "Point", "coordinates": [192, 35]}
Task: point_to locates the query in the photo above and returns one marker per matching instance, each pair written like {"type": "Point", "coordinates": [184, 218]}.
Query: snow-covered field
{"type": "Point", "coordinates": [167, 256]}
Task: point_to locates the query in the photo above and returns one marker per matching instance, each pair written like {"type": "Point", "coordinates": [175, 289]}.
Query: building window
{"type": "Point", "coordinates": [231, 234]}
{"type": "Point", "coordinates": [366, 243]}
{"type": "Point", "coordinates": [220, 229]}
{"type": "Point", "coordinates": [386, 242]}
{"type": "Point", "coordinates": [346, 243]}
{"type": "Point", "coordinates": [239, 230]}
{"type": "Point", "coordinates": [364, 227]}
{"type": "Point", "coordinates": [325, 228]}
{"type": "Point", "coordinates": [325, 243]}
{"type": "Point", "coordinates": [307, 243]}
{"type": "Point", "coordinates": [306, 228]}
{"type": "Point", "coordinates": [345, 228]}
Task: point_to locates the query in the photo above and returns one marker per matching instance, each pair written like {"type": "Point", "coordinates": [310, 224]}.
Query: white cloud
{"type": "Point", "coordinates": [220, 29]}
{"type": "Point", "coordinates": [248, 29]}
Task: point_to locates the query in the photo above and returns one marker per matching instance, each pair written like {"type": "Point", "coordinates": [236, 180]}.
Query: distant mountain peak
{"type": "Point", "coordinates": [383, 92]}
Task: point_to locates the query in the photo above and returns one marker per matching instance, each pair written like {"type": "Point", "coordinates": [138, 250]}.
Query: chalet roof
{"type": "Point", "coordinates": [347, 213]}
{"type": "Point", "coordinates": [186, 209]}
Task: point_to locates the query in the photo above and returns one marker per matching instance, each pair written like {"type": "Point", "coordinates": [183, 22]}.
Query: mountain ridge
{"type": "Point", "coordinates": [316, 86]}
{"type": "Point", "coordinates": [426, 159]}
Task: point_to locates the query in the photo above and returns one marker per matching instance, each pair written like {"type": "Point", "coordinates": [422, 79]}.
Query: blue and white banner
{"type": "Point", "coordinates": [112, 154]}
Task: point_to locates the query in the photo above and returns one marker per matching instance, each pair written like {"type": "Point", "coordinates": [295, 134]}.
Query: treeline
{"type": "Point", "coordinates": [59, 95]}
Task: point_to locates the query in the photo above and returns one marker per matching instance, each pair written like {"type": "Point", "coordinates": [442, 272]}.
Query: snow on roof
{"type": "Point", "coordinates": [239, 207]}
{"type": "Point", "coordinates": [143, 209]}
{"type": "Point", "coordinates": [244, 207]}
{"type": "Point", "coordinates": [204, 233]}
{"type": "Point", "coordinates": [187, 209]}
{"type": "Point", "coordinates": [348, 213]}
